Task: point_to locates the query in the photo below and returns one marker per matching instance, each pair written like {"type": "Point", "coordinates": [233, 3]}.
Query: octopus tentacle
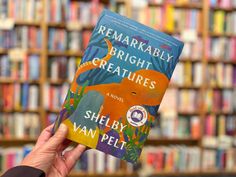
{"type": "Point", "coordinates": [89, 65]}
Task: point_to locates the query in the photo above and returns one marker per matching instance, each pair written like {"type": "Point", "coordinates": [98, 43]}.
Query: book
{"type": "Point", "coordinates": [23, 10]}
{"type": "Point", "coordinates": [12, 156]}
{"type": "Point", "coordinates": [19, 97]}
{"type": "Point", "coordinates": [19, 125]}
{"type": "Point", "coordinates": [101, 126]}
{"type": "Point", "coordinates": [219, 159]}
{"type": "Point", "coordinates": [83, 13]}
{"type": "Point", "coordinates": [171, 19]}
{"type": "Point", "coordinates": [171, 159]}
{"type": "Point", "coordinates": [62, 68]}
{"type": "Point", "coordinates": [222, 22]}
{"type": "Point", "coordinates": [23, 37]}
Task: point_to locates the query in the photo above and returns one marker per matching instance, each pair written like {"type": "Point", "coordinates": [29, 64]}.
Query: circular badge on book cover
{"type": "Point", "coordinates": [137, 116]}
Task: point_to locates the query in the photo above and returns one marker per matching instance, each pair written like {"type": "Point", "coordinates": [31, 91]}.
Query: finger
{"type": "Point", "coordinates": [57, 139]}
{"type": "Point", "coordinates": [64, 145]}
{"type": "Point", "coordinates": [73, 155]}
{"type": "Point", "coordinates": [44, 136]}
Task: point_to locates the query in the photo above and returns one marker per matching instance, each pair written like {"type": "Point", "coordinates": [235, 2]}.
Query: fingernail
{"type": "Point", "coordinates": [63, 127]}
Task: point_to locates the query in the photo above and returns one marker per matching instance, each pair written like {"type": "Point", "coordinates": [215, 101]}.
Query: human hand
{"type": "Point", "coordinates": [47, 153]}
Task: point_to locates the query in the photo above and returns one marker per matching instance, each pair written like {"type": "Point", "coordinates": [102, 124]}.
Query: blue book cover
{"type": "Point", "coordinates": [117, 90]}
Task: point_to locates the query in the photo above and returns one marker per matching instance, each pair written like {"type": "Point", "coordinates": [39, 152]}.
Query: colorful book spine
{"type": "Point", "coordinates": [172, 159]}
{"type": "Point", "coordinates": [19, 125]}
{"type": "Point", "coordinates": [21, 37]}
{"type": "Point", "coordinates": [19, 96]}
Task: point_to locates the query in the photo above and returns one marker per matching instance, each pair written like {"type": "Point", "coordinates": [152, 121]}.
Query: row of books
{"type": "Point", "coordinates": [181, 100]}
{"type": "Point", "coordinates": [170, 19]}
{"type": "Point", "coordinates": [61, 40]}
{"type": "Point", "coordinates": [219, 159]}
{"type": "Point", "coordinates": [19, 125]}
{"type": "Point", "coordinates": [54, 95]}
{"type": "Point", "coordinates": [221, 22]}
{"type": "Point", "coordinates": [26, 68]}
{"type": "Point", "coordinates": [11, 157]}
{"type": "Point", "coordinates": [175, 1]}
{"type": "Point", "coordinates": [171, 158]}
{"type": "Point", "coordinates": [221, 75]}
{"type": "Point", "coordinates": [62, 68]}
{"type": "Point", "coordinates": [173, 126]}
{"type": "Point", "coordinates": [84, 13]}
{"type": "Point", "coordinates": [221, 48]}
{"type": "Point", "coordinates": [21, 10]}
{"type": "Point", "coordinates": [220, 100]}
{"type": "Point", "coordinates": [192, 49]}
{"type": "Point", "coordinates": [21, 37]}
{"type": "Point", "coordinates": [93, 161]}
{"type": "Point", "coordinates": [222, 4]}
{"type": "Point", "coordinates": [19, 97]}
{"type": "Point", "coordinates": [220, 125]}
{"type": "Point", "coordinates": [188, 74]}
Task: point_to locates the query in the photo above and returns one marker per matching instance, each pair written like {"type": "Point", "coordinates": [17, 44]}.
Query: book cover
{"type": "Point", "coordinates": [119, 85]}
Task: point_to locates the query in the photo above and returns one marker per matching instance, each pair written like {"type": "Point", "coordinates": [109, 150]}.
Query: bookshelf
{"type": "Point", "coordinates": [66, 54]}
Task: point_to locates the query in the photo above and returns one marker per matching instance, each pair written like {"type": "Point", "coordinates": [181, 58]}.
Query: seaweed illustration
{"type": "Point", "coordinates": [76, 98]}
{"type": "Point", "coordinates": [135, 138]}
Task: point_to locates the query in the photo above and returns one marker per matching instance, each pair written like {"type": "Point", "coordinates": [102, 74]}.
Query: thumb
{"type": "Point", "coordinates": [58, 138]}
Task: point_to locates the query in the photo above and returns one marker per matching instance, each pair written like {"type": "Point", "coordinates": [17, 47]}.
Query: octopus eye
{"type": "Point", "coordinates": [134, 93]}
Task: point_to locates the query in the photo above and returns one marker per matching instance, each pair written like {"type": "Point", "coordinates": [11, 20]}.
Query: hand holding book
{"type": "Point", "coordinates": [47, 153]}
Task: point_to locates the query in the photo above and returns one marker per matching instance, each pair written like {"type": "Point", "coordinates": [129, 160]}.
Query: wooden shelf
{"type": "Point", "coordinates": [220, 87]}
{"type": "Point", "coordinates": [171, 141]}
{"type": "Point", "coordinates": [20, 110]}
{"type": "Point", "coordinates": [194, 173]}
{"type": "Point", "coordinates": [212, 34]}
{"type": "Point", "coordinates": [184, 6]}
{"type": "Point", "coordinates": [21, 81]}
{"type": "Point", "coordinates": [214, 60]}
{"type": "Point", "coordinates": [117, 174]}
{"type": "Point", "coordinates": [229, 9]}
{"type": "Point", "coordinates": [184, 86]}
{"type": "Point", "coordinates": [27, 23]}
{"type": "Point", "coordinates": [64, 25]}
{"type": "Point", "coordinates": [65, 53]}
{"type": "Point", "coordinates": [28, 51]}
{"type": "Point", "coordinates": [189, 60]}
{"type": "Point", "coordinates": [7, 142]}
{"type": "Point", "coordinates": [56, 111]}
{"type": "Point", "coordinates": [220, 112]}
{"type": "Point", "coordinates": [58, 82]}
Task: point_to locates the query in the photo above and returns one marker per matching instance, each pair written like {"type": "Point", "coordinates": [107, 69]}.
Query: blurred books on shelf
{"type": "Point", "coordinates": [63, 40]}
{"type": "Point", "coordinates": [11, 157]}
{"type": "Point", "coordinates": [178, 127]}
{"type": "Point", "coordinates": [19, 125]}
{"type": "Point", "coordinates": [24, 37]}
{"type": "Point", "coordinates": [23, 10]}
{"type": "Point", "coordinates": [96, 162]}
{"type": "Point", "coordinates": [54, 96]}
{"type": "Point", "coordinates": [62, 68]}
{"type": "Point", "coordinates": [172, 20]}
{"type": "Point", "coordinates": [222, 22]}
{"type": "Point", "coordinates": [26, 68]}
{"type": "Point", "coordinates": [83, 13]}
{"type": "Point", "coordinates": [220, 100]}
{"type": "Point", "coordinates": [22, 97]}
{"type": "Point", "coordinates": [171, 159]}
{"type": "Point", "coordinates": [221, 49]}
{"type": "Point", "coordinates": [225, 4]}
{"type": "Point", "coordinates": [219, 159]}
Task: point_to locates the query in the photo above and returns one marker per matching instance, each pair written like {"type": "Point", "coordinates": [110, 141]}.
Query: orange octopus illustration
{"type": "Point", "coordinates": [131, 92]}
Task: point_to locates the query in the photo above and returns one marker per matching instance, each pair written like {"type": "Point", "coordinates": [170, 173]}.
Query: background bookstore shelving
{"type": "Point", "coordinates": [42, 42]}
